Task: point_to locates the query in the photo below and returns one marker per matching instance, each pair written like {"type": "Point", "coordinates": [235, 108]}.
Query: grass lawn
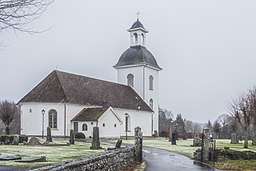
{"type": "Point", "coordinates": [53, 154]}
{"type": "Point", "coordinates": [184, 147]}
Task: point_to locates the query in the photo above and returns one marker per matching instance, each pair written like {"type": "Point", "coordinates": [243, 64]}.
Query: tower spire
{"type": "Point", "coordinates": [138, 15]}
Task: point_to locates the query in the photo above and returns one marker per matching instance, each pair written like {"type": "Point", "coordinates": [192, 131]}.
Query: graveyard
{"type": "Point", "coordinates": [54, 153]}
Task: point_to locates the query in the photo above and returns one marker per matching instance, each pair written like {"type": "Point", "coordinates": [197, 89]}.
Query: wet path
{"type": "Point", "coordinates": [161, 160]}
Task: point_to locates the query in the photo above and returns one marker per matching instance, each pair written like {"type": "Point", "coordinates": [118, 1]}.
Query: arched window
{"type": "Point", "coordinates": [127, 123]}
{"type": "Point", "coordinates": [84, 127]}
{"type": "Point", "coordinates": [143, 39]}
{"type": "Point", "coordinates": [130, 80]}
{"type": "Point", "coordinates": [151, 103]}
{"type": "Point", "coordinates": [52, 118]}
{"type": "Point", "coordinates": [135, 38]}
{"type": "Point", "coordinates": [151, 80]}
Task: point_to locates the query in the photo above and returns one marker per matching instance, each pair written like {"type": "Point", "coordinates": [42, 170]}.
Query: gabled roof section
{"type": "Point", "coordinates": [89, 114]}
{"type": "Point", "coordinates": [60, 87]}
{"type": "Point", "coordinates": [48, 90]}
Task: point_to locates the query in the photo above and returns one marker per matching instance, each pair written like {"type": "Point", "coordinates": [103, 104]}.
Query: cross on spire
{"type": "Point", "coordinates": [138, 15]}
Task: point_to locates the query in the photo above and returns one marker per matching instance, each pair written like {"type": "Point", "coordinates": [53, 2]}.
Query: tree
{"type": "Point", "coordinates": [188, 125]}
{"type": "Point", "coordinates": [164, 122]}
{"type": "Point", "coordinates": [17, 14]}
{"type": "Point", "coordinates": [209, 125]}
{"type": "Point", "coordinates": [243, 109]}
{"type": "Point", "coordinates": [216, 128]}
{"type": "Point", "coordinates": [180, 127]}
{"type": "Point", "coordinates": [233, 125]}
{"type": "Point", "coordinates": [7, 112]}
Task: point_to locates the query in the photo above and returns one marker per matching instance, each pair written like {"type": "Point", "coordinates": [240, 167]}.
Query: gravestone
{"type": "Point", "coordinates": [95, 139]}
{"type": "Point", "coordinates": [33, 159]}
{"type": "Point", "coordinates": [118, 143]}
{"type": "Point", "coordinates": [49, 135]}
{"type": "Point", "coordinates": [234, 140]}
{"type": "Point", "coordinates": [254, 138]}
{"type": "Point", "coordinates": [173, 138]}
{"type": "Point", "coordinates": [206, 144]}
{"type": "Point", "coordinates": [34, 141]}
{"type": "Point", "coordinates": [197, 142]}
{"type": "Point", "coordinates": [9, 157]}
{"type": "Point", "coordinates": [15, 140]}
{"type": "Point", "coordinates": [72, 137]}
{"type": "Point", "coordinates": [170, 135]}
{"type": "Point", "coordinates": [138, 144]}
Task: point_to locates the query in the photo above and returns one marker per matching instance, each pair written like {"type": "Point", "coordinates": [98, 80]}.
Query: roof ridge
{"type": "Point", "coordinates": [90, 78]}
{"type": "Point", "coordinates": [56, 72]}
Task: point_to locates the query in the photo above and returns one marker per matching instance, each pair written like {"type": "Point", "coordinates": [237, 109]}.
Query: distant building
{"type": "Point", "coordinates": [65, 101]}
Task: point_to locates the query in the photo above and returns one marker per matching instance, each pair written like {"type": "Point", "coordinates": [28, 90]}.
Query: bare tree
{"type": "Point", "coordinates": [244, 110]}
{"type": "Point", "coordinates": [216, 128]}
{"type": "Point", "coordinates": [7, 112]}
{"type": "Point", "coordinates": [17, 14]}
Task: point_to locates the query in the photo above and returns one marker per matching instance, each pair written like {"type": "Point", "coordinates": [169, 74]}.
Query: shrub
{"type": "Point", "coordinates": [7, 139]}
{"type": "Point", "coordinates": [79, 135]}
{"type": "Point", "coordinates": [23, 138]}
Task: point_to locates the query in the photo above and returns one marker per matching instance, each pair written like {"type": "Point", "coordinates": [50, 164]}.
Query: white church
{"type": "Point", "coordinates": [64, 101]}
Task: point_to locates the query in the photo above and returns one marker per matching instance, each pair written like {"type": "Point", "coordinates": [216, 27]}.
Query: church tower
{"type": "Point", "coordinates": [138, 68]}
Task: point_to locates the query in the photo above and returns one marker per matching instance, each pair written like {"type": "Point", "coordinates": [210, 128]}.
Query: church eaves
{"type": "Point", "coordinates": [62, 87]}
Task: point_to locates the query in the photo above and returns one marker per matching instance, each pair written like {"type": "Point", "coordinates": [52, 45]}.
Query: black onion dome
{"type": "Point", "coordinates": [137, 24]}
{"type": "Point", "coordinates": [137, 55]}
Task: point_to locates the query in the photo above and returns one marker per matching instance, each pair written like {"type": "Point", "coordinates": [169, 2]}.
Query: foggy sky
{"type": "Point", "coordinates": [205, 47]}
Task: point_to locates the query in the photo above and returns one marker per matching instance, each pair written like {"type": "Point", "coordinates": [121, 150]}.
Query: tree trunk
{"type": "Point", "coordinates": [245, 138]}
{"type": "Point", "coordinates": [7, 130]}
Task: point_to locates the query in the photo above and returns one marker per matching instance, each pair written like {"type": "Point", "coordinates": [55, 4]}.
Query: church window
{"type": "Point", "coordinates": [30, 110]}
{"type": "Point", "coordinates": [151, 103]}
{"type": "Point", "coordinates": [52, 118]}
{"type": "Point", "coordinates": [103, 124]}
{"type": "Point", "coordinates": [151, 80]}
{"type": "Point", "coordinates": [127, 123]}
{"type": "Point", "coordinates": [143, 39]}
{"type": "Point", "coordinates": [84, 127]}
{"type": "Point", "coordinates": [135, 38]}
{"type": "Point", "coordinates": [130, 80]}
{"type": "Point", "coordinates": [91, 123]}
{"type": "Point", "coordinates": [114, 125]}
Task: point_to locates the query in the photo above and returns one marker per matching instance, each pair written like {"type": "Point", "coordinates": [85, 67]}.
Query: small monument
{"type": "Point", "coordinates": [173, 138]}
{"type": "Point", "coordinates": [49, 135]}
{"type": "Point", "coordinates": [234, 140]}
{"type": "Point", "coordinates": [138, 144]}
{"type": "Point", "coordinates": [206, 144]}
{"type": "Point", "coordinates": [170, 135]}
{"type": "Point", "coordinates": [15, 140]}
{"type": "Point", "coordinates": [72, 137]}
{"type": "Point", "coordinates": [197, 141]}
{"type": "Point", "coordinates": [95, 139]}
{"type": "Point", "coordinates": [118, 143]}
{"type": "Point", "coordinates": [34, 141]}
{"type": "Point", "coordinates": [254, 138]}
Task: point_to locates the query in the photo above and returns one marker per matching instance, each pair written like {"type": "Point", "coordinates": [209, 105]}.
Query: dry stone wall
{"type": "Point", "coordinates": [111, 160]}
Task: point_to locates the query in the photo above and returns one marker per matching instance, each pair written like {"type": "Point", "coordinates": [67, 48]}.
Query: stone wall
{"type": "Point", "coordinates": [111, 160]}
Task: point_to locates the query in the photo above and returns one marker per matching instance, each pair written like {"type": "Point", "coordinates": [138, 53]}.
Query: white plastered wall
{"type": "Point", "coordinates": [141, 86]}
{"type": "Point", "coordinates": [137, 118]}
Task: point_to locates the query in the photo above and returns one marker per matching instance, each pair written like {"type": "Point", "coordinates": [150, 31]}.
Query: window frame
{"type": "Point", "coordinates": [53, 119]}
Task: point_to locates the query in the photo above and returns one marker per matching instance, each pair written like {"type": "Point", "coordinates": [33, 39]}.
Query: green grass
{"type": "Point", "coordinates": [53, 154]}
{"type": "Point", "coordinates": [184, 147]}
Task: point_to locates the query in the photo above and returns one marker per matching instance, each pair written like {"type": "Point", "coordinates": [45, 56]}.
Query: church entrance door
{"type": "Point", "coordinates": [75, 127]}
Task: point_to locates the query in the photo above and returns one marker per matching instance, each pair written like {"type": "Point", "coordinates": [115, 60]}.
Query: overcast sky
{"type": "Point", "coordinates": [207, 49]}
